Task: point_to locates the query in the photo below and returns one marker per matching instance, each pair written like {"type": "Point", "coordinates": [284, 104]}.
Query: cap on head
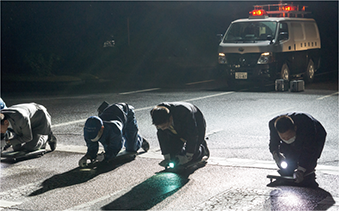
{"type": "Point", "coordinates": [2, 104]}
{"type": "Point", "coordinates": [160, 115]}
{"type": "Point", "coordinates": [92, 126]}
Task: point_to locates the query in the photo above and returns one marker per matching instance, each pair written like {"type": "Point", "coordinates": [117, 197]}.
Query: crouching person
{"type": "Point", "coordinates": [115, 127]}
{"type": "Point", "coordinates": [296, 143]}
{"type": "Point", "coordinates": [181, 132]}
{"type": "Point", "coordinates": [27, 127]}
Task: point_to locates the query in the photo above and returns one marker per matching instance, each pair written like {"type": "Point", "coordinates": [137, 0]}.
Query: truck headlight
{"type": "Point", "coordinates": [265, 58]}
{"type": "Point", "coordinates": [222, 58]}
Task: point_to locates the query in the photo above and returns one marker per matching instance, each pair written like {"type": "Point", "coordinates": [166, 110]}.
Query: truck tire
{"type": "Point", "coordinates": [309, 74]}
{"type": "Point", "coordinates": [285, 72]}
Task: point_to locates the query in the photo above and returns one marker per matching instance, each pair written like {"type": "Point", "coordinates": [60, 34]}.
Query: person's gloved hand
{"type": "Point", "coordinates": [183, 159]}
{"type": "Point", "coordinates": [278, 158]}
{"type": "Point", "coordinates": [298, 174]}
{"type": "Point", "coordinates": [83, 161]}
{"type": "Point", "coordinates": [166, 160]}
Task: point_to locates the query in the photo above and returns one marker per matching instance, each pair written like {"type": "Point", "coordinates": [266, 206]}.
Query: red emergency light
{"type": "Point", "coordinates": [289, 8]}
{"type": "Point", "coordinates": [258, 12]}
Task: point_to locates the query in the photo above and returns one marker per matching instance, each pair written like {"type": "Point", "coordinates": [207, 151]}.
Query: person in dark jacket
{"type": "Point", "coordinates": [181, 132]}
{"type": "Point", "coordinates": [27, 127]}
{"type": "Point", "coordinates": [296, 143]}
{"type": "Point", "coordinates": [115, 127]}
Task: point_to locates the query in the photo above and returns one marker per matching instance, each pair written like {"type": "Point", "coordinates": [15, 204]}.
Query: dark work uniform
{"type": "Point", "coordinates": [187, 134]}
{"type": "Point", "coordinates": [308, 145]}
{"type": "Point", "coordinates": [120, 129]}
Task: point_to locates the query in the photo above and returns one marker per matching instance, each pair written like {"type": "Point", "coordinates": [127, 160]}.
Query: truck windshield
{"type": "Point", "coordinates": [250, 32]}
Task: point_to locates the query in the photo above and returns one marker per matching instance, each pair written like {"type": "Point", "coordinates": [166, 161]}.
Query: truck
{"type": "Point", "coordinates": [276, 41]}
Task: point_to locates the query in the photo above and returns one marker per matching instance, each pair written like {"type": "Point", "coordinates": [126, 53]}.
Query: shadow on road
{"type": "Point", "coordinates": [152, 191]}
{"type": "Point", "coordinates": [78, 176]}
{"type": "Point", "coordinates": [297, 198]}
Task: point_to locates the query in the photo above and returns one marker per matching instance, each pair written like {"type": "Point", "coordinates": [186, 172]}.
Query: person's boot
{"type": "Point", "coordinates": [52, 142]}
{"type": "Point", "coordinates": [145, 145]}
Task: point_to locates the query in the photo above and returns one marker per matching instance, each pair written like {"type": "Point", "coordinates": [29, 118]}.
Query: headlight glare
{"type": "Point", "coordinates": [222, 58]}
{"type": "Point", "coordinates": [265, 58]}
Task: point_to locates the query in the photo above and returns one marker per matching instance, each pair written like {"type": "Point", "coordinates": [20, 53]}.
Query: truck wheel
{"type": "Point", "coordinates": [285, 72]}
{"type": "Point", "coordinates": [309, 75]}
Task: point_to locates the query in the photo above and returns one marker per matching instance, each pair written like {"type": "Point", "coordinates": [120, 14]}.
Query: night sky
{"type": "Point", "coordinates": [67, 37]}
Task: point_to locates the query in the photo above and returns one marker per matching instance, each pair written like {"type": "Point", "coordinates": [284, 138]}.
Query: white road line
{"type": "Point", "coordinates": [155, 153]}
{"type": "Point", "coordinates": [276, 113]}
{"type": "Point", "coordinates": [69, 123]}
{"type": "Point", "coordinates": [93, 202]}
{"type": "Point", "coordinates": [200, 82]}
{"type": "Point", "coordinates": [8, 204]}
{"type": "Point", "coordinates": [145, 108]}
{"type": "Point", "coordinates": [326, 96]}
{"type": "Point", "coordinates": [143, 90]}
{"type": "Point", "coordinates": [209, 96]}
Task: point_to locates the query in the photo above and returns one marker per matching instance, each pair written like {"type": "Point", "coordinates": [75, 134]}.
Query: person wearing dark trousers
{"type": "Point", "coordinates": [115, 127]}
{"type": "Point", "coordinates": [181, 131]}
{"type": "Point", "coordinates": [296, 143]}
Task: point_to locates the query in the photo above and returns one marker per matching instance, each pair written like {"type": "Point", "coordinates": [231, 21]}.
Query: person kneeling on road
{"type": "Point", "coordinates": [27, 127]}
{"type": "Point", "coordinates": [296, 142]}
{"type": "Point", "coordinates": [181, 132]}
{"type": "Point", "coordinates": [115, 127]}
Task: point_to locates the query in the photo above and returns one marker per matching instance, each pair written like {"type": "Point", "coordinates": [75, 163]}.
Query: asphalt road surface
{"type": "Point", "coordinates": [233, 179]}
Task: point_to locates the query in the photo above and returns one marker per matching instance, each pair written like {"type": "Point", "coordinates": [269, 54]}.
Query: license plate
{"type": "Point", "coordinates": [241, 75]}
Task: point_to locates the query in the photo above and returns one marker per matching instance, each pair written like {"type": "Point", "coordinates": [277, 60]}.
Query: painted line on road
{"type": "Point", "coordinates": [276, 113]}
{"type": "Point", "coordinates": [69, 123]}
{"type": "Point", "coordinates": [199, 82]}
{"type": "Point", "coordinates": [8, 204]}
{"type": "Point", "coordinates": [209, 96]}
{"type": "Point", "coordinates": [234, 162]}
{"type": "Point", "coordinates": [93, 202]}
{"type": "Point", "coordinates": [326, 96]}
{"type": "Point", "coordinates": [141, 109]}
{"type": "Point", "coordinates": [138, 91]}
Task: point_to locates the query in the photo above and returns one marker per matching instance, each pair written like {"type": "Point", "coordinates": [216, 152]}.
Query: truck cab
{"type": "Point", "coordinates": [275, 42]}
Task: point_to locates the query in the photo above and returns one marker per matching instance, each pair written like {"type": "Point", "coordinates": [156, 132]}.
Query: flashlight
{"type": "Point", "coordinates": [171, 165]}
{"type": "Point", "coordinates": [283, 164]}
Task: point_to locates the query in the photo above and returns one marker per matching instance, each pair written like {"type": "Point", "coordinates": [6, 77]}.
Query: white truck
{"type": "Point", "coordinates": [275, 42]}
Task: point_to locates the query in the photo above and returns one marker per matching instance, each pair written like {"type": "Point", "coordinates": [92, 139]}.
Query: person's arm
{"type": "Point", "coordinates": [22, 131]}
{"type": "Point", "coordinates": [274, 141]}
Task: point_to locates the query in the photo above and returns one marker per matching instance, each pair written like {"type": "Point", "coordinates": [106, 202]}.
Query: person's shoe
{"type": "Point", "coordinates": [145, 145]}
{"type": "Point", "coordinates": [52, 142]}
{"type": "Point", "coordinates": [164, 163]}
{"type": "Point", "coordinates": [309, 181]}
{"type": "Point", "coordinates": [206, 150]}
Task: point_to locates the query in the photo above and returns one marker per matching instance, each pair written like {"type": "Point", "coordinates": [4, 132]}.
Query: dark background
{"type": "Point", "coordinates": [167, 41]}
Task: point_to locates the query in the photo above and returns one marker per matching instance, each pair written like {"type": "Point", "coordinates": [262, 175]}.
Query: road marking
{"type": "Point", "coordinates": [93, 202]}
{"type": "Point", "coordinates": [138, 91]}
{"type": "Point", "coordinates": [326, 96]}
{"type": "Point", "coordinates": [155, 153]}
{"type": "Point", "coordinates": [69, 123]}
{"type": "Point", "coordinates": [200, 82]}
{"type": "Point", "coordinates": [208, 96]}
{"type": "Point", "coordinates": [276, 113]}
{"type": "Point", "coordinates": [145, 108]}
{"type": "Point", "coordinates": [8, 204]}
